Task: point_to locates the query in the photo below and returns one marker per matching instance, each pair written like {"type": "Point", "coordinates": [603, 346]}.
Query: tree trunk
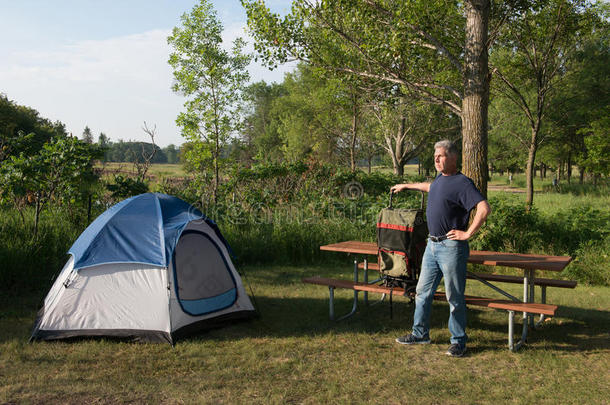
{"type": "Point", "coordinates": [89, 208]}
{"type": "Point", "coordinates": [400, 148]}
{"type": "Point", "coordinates": [216, 169]}
{"type": "Point", "coordinates": [581, 174]}
{"type": "Point", "coordinates": [529, 175]}
{"type": "Point", "coordinates": [37, 215]}
{"type": "Point", "coordinates": [569, 168]}
{"type": "Point", "coordinates": [399, 170]}
{"type": "Point", "coordinates": [352, 147]}
{"type": "Point", "coordinates": [476, 94]}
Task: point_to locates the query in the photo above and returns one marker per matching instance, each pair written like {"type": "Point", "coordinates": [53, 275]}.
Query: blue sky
{"type": "Point", "coordinates": [104, 63]}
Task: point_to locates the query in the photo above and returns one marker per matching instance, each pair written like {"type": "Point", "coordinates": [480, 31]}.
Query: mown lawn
{"type": "Point", "coordinates": [294, 354]}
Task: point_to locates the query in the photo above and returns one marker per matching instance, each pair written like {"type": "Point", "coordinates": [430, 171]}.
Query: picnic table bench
{"type": "Point", "coordinates": [529, 263]}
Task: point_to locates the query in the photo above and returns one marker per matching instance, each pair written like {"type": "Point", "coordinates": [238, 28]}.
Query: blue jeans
{"type": "Point", "coordinates": [446, 259]}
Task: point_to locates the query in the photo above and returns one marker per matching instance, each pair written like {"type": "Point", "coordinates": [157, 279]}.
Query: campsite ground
{"type": "Point", "coordinates": [294, 354]}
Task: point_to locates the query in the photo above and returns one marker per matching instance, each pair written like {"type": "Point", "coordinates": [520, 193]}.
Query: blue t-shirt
{"type": "Point", "coordinates": [450, 200]}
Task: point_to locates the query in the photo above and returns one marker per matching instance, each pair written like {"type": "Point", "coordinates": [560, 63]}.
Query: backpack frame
{"type": "Point", "coordinates": [401, 240]}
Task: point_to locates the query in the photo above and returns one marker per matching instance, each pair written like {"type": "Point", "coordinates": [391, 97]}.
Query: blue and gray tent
{"type": "Point", "coordinates": [150, 268]}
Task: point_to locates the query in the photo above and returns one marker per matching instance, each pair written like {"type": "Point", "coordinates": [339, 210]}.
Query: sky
{"type": "Point", "coordinates": [103, 64]}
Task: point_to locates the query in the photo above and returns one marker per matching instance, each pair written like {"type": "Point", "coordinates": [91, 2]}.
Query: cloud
{"type": "Point", "coordinates": [111, 85]}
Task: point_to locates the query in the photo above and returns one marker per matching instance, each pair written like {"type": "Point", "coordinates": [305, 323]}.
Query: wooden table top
{"type": "Point", "coordinates": [517, 260]}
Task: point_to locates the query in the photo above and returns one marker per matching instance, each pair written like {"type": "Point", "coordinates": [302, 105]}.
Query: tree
{"type": "Point", "coordinates": [87, 135]}
{"type": "Point", "coordinates": [23, 130]}
{"type": "Point", "coordinates": [528, 61]}
{"type": "Point", "coordinates": [407, 126]}
{"type": "Point", "coordinates": [584, 96]}
{"type": "Point", "coordinates": [506, 124]}
{"type": "Point", "coordinates": [172, 153]}
{"type": "Point", "coordinates": [261, 125]}
{"type": "Point", "coordinates": [435, 50]}
{"type": "Point", "coordinates": [597, 142]}
{"type": "Point", "coordinates": [212, 79]}
{"type": "Point", "coordinates": [59, 170]}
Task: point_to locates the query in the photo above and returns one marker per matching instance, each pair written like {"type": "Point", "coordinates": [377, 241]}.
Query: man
{"type": "Point", "coordinates": [451, 198]}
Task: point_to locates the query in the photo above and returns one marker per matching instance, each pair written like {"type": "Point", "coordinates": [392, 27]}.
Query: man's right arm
{"type": "Point", "coordinates": [411, 186]}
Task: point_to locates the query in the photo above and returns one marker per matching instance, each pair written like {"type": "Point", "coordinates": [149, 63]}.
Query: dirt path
{"type": "Point", "coordinates": [507, 189]}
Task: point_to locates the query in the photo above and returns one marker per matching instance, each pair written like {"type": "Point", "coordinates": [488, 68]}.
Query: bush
{"type": "Point", "coordinates": [509, 228]}
{"type": "Point", "coordinates": [590, 264]}
{"type": "Point", "coordinates": [581, 232]}
{"type": "Point", "coordinates": [567, 231]}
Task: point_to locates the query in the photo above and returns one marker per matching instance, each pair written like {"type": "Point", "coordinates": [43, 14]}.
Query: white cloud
{"type": "Point", "coordinates": [111, 85]}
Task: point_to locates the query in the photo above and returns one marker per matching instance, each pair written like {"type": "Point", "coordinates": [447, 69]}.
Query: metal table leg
{"type": "Point", "coordinates": [355, 302]}
{"type": "Point", "coordinates": [543, 301]}
{"type": "Point", "coordinates": [532, 297]}
{"type": "Point", "coordinates": [527, 285]}
{"type": "Point", "coordinates": [366, 280]}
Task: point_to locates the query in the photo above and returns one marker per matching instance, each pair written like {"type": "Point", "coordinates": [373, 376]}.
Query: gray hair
{"type": "Point", "coordinates": [448, 145]}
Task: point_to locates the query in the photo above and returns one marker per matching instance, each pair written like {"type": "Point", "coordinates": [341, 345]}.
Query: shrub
{"type": "Point", "coordinates": [509, 228]}
{"type": "Point", "coordinates": [590, 264]}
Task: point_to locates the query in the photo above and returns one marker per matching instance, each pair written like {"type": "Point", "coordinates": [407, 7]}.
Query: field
{"type": "Point", "coordinates": [292, 353]}
{"type": "Point", "coordinates": [156, 170]}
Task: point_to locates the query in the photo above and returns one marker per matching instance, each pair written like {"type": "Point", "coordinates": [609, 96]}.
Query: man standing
{"type": "Point", "coordinates": [451, 198]}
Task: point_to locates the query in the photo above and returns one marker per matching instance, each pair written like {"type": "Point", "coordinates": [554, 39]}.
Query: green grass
{"type": "Point", "coordinates": [294, 354]}
{"type": "Point", "coordinates": [156, 169]}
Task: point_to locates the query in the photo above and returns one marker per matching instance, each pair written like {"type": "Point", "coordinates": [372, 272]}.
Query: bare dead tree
{"type": "Point", "coordinates": [142, 166]}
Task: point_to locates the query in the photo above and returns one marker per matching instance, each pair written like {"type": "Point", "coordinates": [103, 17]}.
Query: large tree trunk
{"type": "Point", "coordinates": [476, 94]}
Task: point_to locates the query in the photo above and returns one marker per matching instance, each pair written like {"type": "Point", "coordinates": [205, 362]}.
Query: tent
{"type": "Point", "coordinates": [151, 268]}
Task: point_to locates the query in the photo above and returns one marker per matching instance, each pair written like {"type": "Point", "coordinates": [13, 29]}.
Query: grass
{"type": "Point", "coordinates": [294, 354]}
{"type": "Point", "coordinates": [156, 169]}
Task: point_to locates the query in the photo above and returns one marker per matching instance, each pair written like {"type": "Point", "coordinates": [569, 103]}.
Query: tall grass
{"type": "Point", "coordinates": [28, 263]}
{"type": "Point", "coordinates": [291, 229]}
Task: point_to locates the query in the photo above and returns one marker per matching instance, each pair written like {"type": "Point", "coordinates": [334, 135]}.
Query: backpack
{"type": "Point", "coordinates": [401, 240]}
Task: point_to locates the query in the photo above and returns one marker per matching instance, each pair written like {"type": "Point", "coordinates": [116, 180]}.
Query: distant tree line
{"type": "Point", "coordinates": [131, 151]}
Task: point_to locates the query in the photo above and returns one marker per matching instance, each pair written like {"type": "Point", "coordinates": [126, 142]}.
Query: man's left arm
{"type": "Point", "coordinates": [480, 216]}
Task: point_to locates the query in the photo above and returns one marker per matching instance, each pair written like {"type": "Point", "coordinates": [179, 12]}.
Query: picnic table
{"type": "Point", "coordinates": [529, 263]}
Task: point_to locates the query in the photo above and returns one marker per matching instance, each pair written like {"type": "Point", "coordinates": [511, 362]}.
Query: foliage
{"type": "Point", "coordinates": [528, 60]}
{"type": "Point", "coordinates": [132, 152]}
{"type": "Point", "coordinates": [30, 264]}
{"type": "Point", "coordinates": [578, 231]}
{"type": "Point", "coordinates": [509, 228]}
{"type": "Point", "coordinates": [23, 130]}
{"type": "Point", "coordinates": [212, 79]}
{"type": "Point", "coordinates": [597, 143]}
{"type": "Point", "coordinates": [126, 186]}
{"type": "Point", "coordinates": [422, 49]}
{"type": "Point", "coordinates": [580, 106]}
{"type": "Point", "coordinates": [61, 170]}
{"type": "Point", "coordinates": [260, 132]}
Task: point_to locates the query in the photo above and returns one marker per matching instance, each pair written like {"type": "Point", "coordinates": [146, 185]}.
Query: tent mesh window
{"type": "Point", "coordinates": [204, 282]}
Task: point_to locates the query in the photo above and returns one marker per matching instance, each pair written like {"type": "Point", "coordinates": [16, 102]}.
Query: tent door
{"type": "Point", "coordinates": [203, 279]}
